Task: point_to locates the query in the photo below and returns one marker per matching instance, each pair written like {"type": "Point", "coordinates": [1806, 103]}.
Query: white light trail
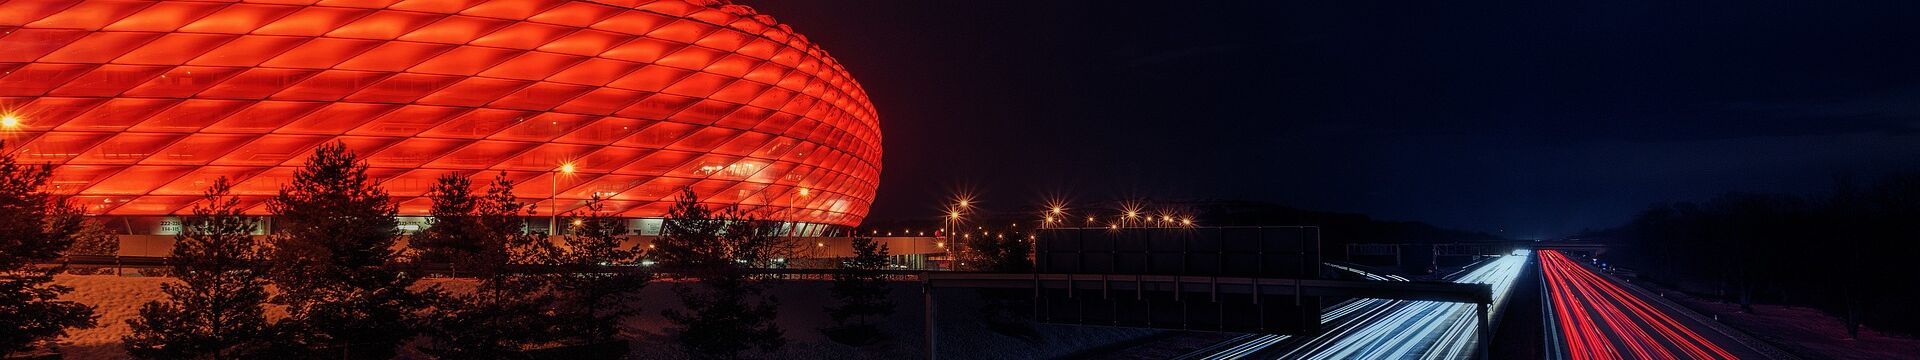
{"type": "Point", "coordinates": [1395, 329]}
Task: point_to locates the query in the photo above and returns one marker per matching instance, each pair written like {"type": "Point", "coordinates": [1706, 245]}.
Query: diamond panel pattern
{"type": "Point", "coordinates": [141, 103]}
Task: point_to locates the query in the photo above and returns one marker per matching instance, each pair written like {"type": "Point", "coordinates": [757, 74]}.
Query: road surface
{"type": "Point", "coordinates": [1593, 317]}
{"type": "Point", "coordinates": [1390, 329]}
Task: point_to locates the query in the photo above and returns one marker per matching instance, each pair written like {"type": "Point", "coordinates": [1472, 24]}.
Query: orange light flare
{"type": "Point", "coordinates": [11, 120]}
{"type": "Point", "coordinates": [1055, 212]}
{"type": "Point", "coordinates": [961, 199]}
{"type": "Point", "coordinates": [12, 123]}
{"type": "Point", "coordinates": [1130, 210]}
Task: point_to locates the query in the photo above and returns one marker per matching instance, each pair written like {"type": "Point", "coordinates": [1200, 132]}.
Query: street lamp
{"type": "Point", "coordinates": [953, 224]}
{"type": "Point", "coordinates": [553, 199]}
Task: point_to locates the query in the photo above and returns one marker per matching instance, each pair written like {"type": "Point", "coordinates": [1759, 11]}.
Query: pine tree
{"type": "Point", "coordinates": [503, 217]}
{"type": "Point", "coordinates": [216, 310]}
{"type": "Point", "coordinates": [996, 254]}
{"type": "Point", "coordinates": [506, 310]}
{"type": "Point", "coordinates": [453, 233]}
{"type": "Point", "coordinates": [690, 237]}
{"type": "Point", "coordinates": [94, 238]}
{"type": "Point", "coordinates": [862, 290]}
{"type": "Point", "coordinates": [725, 310]}
{"type": "Point", "coordinates": [331, 258]}
{"type": "Point", "coordinates": [600, 282]}
{"type": "Point", "coordinates": [35, 227]}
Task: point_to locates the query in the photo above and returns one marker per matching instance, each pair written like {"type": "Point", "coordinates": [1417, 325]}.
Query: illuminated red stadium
{"type": "Point", "coordinates": [141, 104]}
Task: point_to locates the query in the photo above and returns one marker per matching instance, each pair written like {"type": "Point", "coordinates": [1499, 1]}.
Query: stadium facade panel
{"type": "Point", "coordinates": [141, 104]}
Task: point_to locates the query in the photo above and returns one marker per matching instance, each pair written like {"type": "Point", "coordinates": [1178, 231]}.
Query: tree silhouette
{"type": "Point", "coordinates": [726, 311]}
{"type": "Point", "coordinates": [600, 281]}
{"type": "Point", "coordinates": [507, 310]}
{"type": "Point", "coordinates": [331, 258]}
{"type": "Point", "coordinates": [94, 238]}
{"type": "Point", "coordinates": [1817, 251]}
{"type": "Point", "coordinates": [996, 254]}
{"type": "Point", "coordinates": [454, 233]}
{"type": "Point", "coordinates": [216, 310]}
{"type": "Point", "coordinates": [34, 227]}
{"type": "Point", "coordinates": [861, 290]}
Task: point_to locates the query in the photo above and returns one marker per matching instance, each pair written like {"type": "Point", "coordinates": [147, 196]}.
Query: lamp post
{"type": "Point", "coordinates": [553, 199]}
{"type": "Point", "coordinates": [953, 227]}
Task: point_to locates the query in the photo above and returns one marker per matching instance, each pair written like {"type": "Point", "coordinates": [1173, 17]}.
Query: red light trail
{"type": "Point", "coordinates": [1601, 320]}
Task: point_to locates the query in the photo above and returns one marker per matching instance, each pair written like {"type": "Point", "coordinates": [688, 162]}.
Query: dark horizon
{"type": "Point", "coordinates": [1538, 119]}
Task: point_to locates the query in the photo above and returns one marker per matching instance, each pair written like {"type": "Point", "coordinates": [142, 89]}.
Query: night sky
{"type": "Point", "coordinates": [1539, 117]}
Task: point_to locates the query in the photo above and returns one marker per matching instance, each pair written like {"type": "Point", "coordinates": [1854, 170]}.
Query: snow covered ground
{"type": "Point", "coordinates": [115, 299]}
{"type": "Point", "coordinates": [118, 298]}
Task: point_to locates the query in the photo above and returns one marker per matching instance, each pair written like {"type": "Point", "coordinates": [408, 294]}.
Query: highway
{"type": "Point", "coordinates": [1592, 317]}
{"type": "Point", "coordinates": [1388, 329]}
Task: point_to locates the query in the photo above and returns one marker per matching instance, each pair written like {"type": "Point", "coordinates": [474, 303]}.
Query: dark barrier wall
{"type": "Point", "coordinates": [1241, 252]}
{"type": "Point", "coordinates": [1260, 252]}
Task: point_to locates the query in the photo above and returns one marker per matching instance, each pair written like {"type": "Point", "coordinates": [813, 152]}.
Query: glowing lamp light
{"type": "Point", "coordinates": [10, 121]}
{"type": "Point", "coordinates": [566, 168]}
{"type": "Point", "coordinates": [578, 222]}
